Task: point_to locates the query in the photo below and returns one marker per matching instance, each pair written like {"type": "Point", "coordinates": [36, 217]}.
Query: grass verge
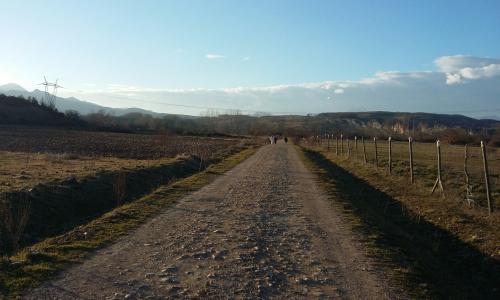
{"type": "Point", "coordinates": [42, 261]}
{"type": "Point", "coordinates": [420, 242]}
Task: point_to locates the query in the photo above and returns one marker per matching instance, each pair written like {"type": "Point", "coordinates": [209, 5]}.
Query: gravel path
{"type": "Point", "coordinates": [262, 230]}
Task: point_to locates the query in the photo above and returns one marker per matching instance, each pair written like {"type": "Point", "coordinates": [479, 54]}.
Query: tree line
{"type": "Point", "coordinates": [454, 129]}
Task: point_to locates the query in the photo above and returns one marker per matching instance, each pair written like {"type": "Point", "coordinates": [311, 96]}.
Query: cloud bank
{"type": "Point", "coordinates": [461, 68]}
{"type": "Point", "coordinates": [460, 84]}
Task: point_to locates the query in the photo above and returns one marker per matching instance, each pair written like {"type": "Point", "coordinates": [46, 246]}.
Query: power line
{"type": "Point", "coordinates": [129, 99]}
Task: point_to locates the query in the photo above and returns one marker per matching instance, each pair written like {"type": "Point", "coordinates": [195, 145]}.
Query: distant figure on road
{"type": "Point", "coordinates": [286, 140]}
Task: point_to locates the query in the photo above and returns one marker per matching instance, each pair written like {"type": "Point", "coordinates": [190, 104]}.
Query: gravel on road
{"type": "Point", "coordinates": [265, 229]}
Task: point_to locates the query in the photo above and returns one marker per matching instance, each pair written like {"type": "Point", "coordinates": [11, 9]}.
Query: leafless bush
{"type": "Point", "coordinates": [15, 211]}
{"type": "Point", "coordinates": [204, 153]}
{"type": "Point", "coordinates": [119, 188]}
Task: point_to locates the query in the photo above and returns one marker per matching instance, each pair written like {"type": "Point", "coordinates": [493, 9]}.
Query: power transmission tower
{"type": "Point", "coordinates": [50, 98]}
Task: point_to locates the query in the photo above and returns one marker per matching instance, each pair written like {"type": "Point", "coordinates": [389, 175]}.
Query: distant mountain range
{"type": "Point", "coordinates": [65, 104]}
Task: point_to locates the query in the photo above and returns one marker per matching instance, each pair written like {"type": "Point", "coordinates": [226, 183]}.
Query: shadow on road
{"type": "Point", "coordinates": [431, 261]}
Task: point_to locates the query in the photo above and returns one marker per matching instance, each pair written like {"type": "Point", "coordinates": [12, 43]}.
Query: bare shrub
{"type": "Point", "coordinates": [15, 211]}
{"type": "Point", "coordinates": [204, 153]}
{"type": "Point", "coordinates": [119, 188]}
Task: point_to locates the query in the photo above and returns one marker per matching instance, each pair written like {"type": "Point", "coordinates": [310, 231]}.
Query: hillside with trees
{"type": "Point", "coordinates": [20, 111]}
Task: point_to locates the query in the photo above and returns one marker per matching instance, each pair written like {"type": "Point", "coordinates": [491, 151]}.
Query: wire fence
{"type": "Point", "coordinates": [470, 171]}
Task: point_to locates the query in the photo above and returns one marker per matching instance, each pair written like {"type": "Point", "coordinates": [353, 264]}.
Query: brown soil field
{"type": "Point", "coordinates": [30, 156]}
{"type": "Point", "coordinates": [109, 144]}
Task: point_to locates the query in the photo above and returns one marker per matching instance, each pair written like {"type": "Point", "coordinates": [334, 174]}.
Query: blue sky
{"type": "Point", "coordinates": [148, 52]}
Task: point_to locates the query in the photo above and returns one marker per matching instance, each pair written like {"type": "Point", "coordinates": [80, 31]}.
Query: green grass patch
{"type": "Point", "coordinates": [43, 260]}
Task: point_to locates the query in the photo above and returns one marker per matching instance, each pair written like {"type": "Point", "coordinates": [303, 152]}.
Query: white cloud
{"type": "Point", "coordinates": [453, 78]}
{"type": "Point", "coordinates": [246, 58]}
{"type": "Point", "coordinates": [462, 68]}
{"type": "Point", "coordinates": [427, 91]}
{"type": "Point", "coordinates": [455, 63]}
{"type": "Point", "coordinates": [468, 73]}
{"type": "Point", "coordinates": [214, 56]}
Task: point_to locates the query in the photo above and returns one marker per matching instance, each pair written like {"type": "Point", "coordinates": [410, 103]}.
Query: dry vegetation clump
{"type": "Point", "coordinates": [15, 210]}
{"type": "Point", "coordinates": [119, 188]}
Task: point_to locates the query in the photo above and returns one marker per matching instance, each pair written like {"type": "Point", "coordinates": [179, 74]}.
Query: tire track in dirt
{"type": "Point", "coordinates": [262, 230]}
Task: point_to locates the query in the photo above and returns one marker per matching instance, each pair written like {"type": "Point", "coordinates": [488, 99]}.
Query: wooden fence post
{"type": "Point", "coordinates": [348, 149]}
{"type": "Point", "coordinates": [390, 155]}
{"type": "Point", "coordinates": [410, 149]}
{"type": "Point", "coordinates": [376, 151]}
{"type": "Point", "coordinates": [439, 182]}
{"type": "Point", "coordinates": [336, 145]}
{"type": "Point", "coordinates": [356, 147]}
{"type": "Point", "coordinates": [486, 177]}
{"type": "Point", "coordinates": [328, 142]}
{"type": "Point", "coordinates": [364, 149]}
{"type": "Point", "coordinates": [468, 187]}
{"type": "Point", "coordinates": [341, 144]}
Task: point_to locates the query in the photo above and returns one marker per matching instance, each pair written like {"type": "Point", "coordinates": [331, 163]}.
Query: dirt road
{"type": "Point", "coordinates": [262, 230]}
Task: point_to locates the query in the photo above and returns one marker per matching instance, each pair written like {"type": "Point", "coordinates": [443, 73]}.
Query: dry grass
{"type": "Point", "coordinates": [15, 214]}
{"type": "Point", "coordinates": [425, 170]}
{"type": "Point", "coordinates": [435, 247]}
{"type": "Point", "coordinates": [451, 213]}
{"type": "Point", "coordinates": [19, 170]}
